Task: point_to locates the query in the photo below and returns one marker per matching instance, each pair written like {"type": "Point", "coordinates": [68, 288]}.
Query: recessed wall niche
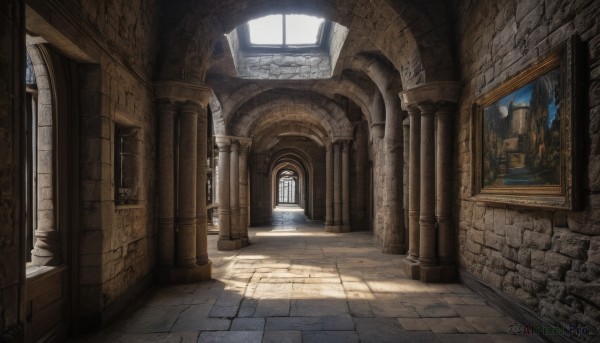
{"type": "Point", "coordinates": [127, 165]}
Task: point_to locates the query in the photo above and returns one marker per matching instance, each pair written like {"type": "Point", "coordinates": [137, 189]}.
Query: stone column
{"type": "Point", "coordinates": [435, 172]}
{"type": "Point", "coordinates": [443, 208]}
{"type": "Point", "coordinates": [329, 185]}
{"type": "Point", "coordinates": [337, 187]}
{"type": "Point", "coordinates": [166, 185]}
{"type": "Point", "coordinates": [183, 255]}
{"type": "Point", "coordinates": [224, 143]}
{"type": "Point", "coordinates": [345, 227]}
{"type": "Point", "coordinates": [427, 243]}
{"type": "Point", "coordinates": [414, 184]}
{"type": "Point", "coordinates": [243, 181]}
{"type": "Point", "coordinates": [234, 190]}
{"type": "Point", "coordinates": [201, 219]}
{"type": "Point", "coordinates": [406, 156]}
{"type": "Point", "coordinates": [185, 252]}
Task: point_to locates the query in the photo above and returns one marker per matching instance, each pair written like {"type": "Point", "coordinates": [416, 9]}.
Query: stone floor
{"type": "Point", "coordinates": [296, 283]}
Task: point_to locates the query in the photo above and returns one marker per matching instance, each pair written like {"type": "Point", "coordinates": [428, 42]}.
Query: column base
{"type": "Point", "coordinates": [337, 228]}
{"type": "Point", "coordinates": [185, 275]}
{"type": "Point", "coordinates": [245, 242]}
{"type": "Point", "coordinates": [394, 249]}
{"type": "Point", "coordinates": [411, 269]}
{"type": "Point", "coordinates": [439, 274]}
{"type": "Point", "coordinates": [229, 245]}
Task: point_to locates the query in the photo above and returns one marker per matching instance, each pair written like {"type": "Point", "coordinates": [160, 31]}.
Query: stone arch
{"type": "Point", "coordinates": [361, 94]}
{"type": "Point", "coordinates": [279, 106]}
{"type": "Point", "coordinates": [266, 135]}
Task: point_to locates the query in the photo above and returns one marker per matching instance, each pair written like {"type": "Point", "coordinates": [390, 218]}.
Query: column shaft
{"type": "Point", "coordinates": [224, 211]}
{"type": "Point", "coordinates": [201, 219]}
{"type": "Point", "coordinates": [166, 185]}
{"type": "Point", "coordinates": [337, 185]}
{"type": "Point", "coordinates": [345, 187]}
{"type": "Point", "coordinates": [406, 157]}
{"type": "Point", "coordinates": [186, 194]}
{"type": "Point", "coordinates": [329, 185]}
{"type": "Point", "coordinates": [234, 190]}
{"type": "Point", "coordinates": [243, 181]}
{"type": "Point", "coordinates": [393, 234]}
{"type": "Point", "coordinates": [414, 183]}
{"type": "Point", "coordinates": [427, 246]}
{"type": "Point", "coordinates": [444, 185]}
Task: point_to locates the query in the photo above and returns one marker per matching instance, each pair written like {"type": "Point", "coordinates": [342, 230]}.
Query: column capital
{"type": "Point", "coordinates": [182, 92]}
{"type": "Point", "coordinates": [245, 142]}
{"type": "Point", "coordinates": [427, 108]}
{"type": "Point", "coordinates": [434, 92]}
{"type": "Point", "coordinates": [378, 129]}
{"type": "Point", "coordinates": [328, 145]}
{"type": "Point", "coordinates": [223, 142]}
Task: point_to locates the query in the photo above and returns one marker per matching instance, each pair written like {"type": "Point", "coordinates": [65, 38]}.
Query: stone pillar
{"type": "Point", "coordinates": [224, 143]}
{"type": "Point", "coordinates": [414, 183]}
{"type": "Point", "coordinates": [377, 134]}
{"type": "Point", "coordinates": [166, 185]}
{"type": "Point", "coordinates": [406, 156]}
{"type": "Point", "coordinates": [329, 185]}
{"type": "Point", "coordinates": [337, 187]}
{"type": "Point", "coordinates": [443, 208]}
{"type": "Point", "coordinates": [185, 252]}
{"type": "Point", "coordinates": [234, 191]}
{"type": "Point", "coordinates": [345, 227]}
{"type": "Point", "coordinates": [201, 214]}
{"type": "Point", "coordinates": [243, 181]}
{"type": "Point", "coordinates": [183, 256]}
{"type": "Point", "coordinates": [393, 234]}
{"type": "Point", "coordinates": [427, 243]}
{"type": "Point", "coordinates": [432, 99]}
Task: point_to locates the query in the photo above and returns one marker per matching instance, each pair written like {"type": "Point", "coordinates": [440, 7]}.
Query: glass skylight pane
{"type": "Point", "coordinates": [266, 30]}
{"type": "Point", "coordinates": [302, 29]}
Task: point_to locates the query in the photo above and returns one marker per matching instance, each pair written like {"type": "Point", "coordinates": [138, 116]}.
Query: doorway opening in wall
{"type": "Point", "coordinates": [287, 187]}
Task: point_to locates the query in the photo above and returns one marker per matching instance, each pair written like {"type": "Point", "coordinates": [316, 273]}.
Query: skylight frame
{"type": "Point", "coordinates": [244, 32]}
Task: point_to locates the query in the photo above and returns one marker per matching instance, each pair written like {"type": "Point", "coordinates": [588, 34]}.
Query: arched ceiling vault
{"type": "Point", "coordinates": [278, 106]}
{"type": "Point", "coordinates": [412, 35]}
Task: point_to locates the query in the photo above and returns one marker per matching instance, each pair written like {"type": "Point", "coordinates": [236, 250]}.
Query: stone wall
{"type": "Point", "coordinates": [282, 66]}
{"type": "Point", "coordinates": [12, 47]}
{"type": "Point", "coordinates": [116, 40]}
{"type": "Point", "coordinates": [547, 260]}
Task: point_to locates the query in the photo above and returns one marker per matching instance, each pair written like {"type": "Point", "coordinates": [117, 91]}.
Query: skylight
{"type": "Point", "coordinates": [285, 30]}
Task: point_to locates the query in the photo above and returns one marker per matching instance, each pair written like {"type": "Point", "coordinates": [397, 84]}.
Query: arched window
{"type": "Point", "coordinates": [287, 187]}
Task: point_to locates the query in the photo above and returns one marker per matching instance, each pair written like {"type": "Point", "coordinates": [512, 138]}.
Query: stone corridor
{"type": "Point", "coordinates": [296, 283]}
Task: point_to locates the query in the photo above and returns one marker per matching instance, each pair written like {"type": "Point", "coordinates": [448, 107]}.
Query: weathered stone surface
{"type": "Point", "coordinates": [539, 241]}
{"type": "Point", "coordinates": [514, 235]}
{"type": "Point", "coordinates": [570, 244]}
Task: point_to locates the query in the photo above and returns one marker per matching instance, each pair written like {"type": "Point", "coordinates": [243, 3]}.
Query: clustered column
{"type": "Point", "coordinates": [338, 184]}
{"type": "Point", "coordinates": [183, 255]}
{"type": "Point", "coordinates": [431, 232]}
{"type": "Point", "coordinates": [233, 192]}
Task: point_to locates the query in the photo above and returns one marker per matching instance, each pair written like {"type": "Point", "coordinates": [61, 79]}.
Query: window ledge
{"type": "Point", "coordinates": [129, 207]}
{"type": "Point", "coordinates": [34, 272]}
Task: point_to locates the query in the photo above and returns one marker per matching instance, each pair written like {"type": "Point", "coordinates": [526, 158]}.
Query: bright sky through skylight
{"type": "Point", "coordinates": [300, 30]}
{"type": "Point", "coordinates": [266, 30]}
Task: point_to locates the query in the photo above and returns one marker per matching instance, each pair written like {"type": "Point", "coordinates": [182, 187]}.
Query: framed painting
{"type": "Point", "coordinates": [525, 135]}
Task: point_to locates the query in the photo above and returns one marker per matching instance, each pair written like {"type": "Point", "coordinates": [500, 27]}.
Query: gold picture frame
{"type": "Point", "coordinates": [525, 141]}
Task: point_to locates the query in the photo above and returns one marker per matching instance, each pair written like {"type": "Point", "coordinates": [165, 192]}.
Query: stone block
{"type": "Point", "coordinates": [594, 251]}
{"type": "Point", "coordinates": [514, 236]}
{"type": "Point", "coordinates": [494, 241]}
{"type": "Point", "coordinates": [535, 240]}
{"type": "Point", "coordinates": [556, 264]}
{"type": "Point", "coordinates": [524, 257]}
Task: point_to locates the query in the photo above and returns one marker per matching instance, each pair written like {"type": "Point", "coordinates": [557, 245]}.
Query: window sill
{"type": "Point", "coordinates": [128, 207]}
{"type": "Point", "coordinates": [34, 272]}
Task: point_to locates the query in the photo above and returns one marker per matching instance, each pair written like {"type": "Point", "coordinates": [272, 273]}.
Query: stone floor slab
{"type": "Point", "coordinates": [330, 337]}
{"type": "Point", "coordinates": [231, 337]}
{"type": "Point", "coordinates": [282, 337]}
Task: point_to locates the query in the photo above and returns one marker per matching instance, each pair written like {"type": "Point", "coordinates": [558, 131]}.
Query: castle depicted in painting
{"type": "Point", "coordinates": [521, 136]}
